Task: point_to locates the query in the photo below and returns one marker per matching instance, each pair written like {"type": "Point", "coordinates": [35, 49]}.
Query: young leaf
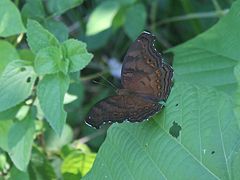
{"type": "Point", "coordinates": [207, 136]}
{"type": "Point", "coordinates": [10, 19]}
{"type": "Point", "coordinates": [20, 141]}
{"type": "Point", "coordinates": [135, 20]}
{"type": "Point", "coordinates": [8, 53]}
{"type": "Point", "coordinates": [78, 162]}
{"type": "Point", "coordinates": [16, 83]}
{"type": "Point", "coordinates": [38, 37]}
{"type": "Point", "coordinates": [101, 18]}
{"type": "Point", "coordinates": [49, 61]}
{"type": "Point", "coordinates": [77, 53]}
{"type": "Point", "coordinates": [209, 58]}
{"type": "Point", "coordinates": [50, 92]}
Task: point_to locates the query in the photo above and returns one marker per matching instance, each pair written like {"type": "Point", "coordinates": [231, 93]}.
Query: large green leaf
{"type": "Point", "coordinates": [20, 141]}
{"type": "Point", "coordinates": [7, 54]}
{"type": "Point", "coordinates": [210, 57]}
{"type": "Point", "coordinates": [16, 83]}
{"type": "Point", "coordinates": [102, 17]}
{"type": "Point", "coordinates": [50, 92]}
{"type": "Point", "coordinates": [10, 19]}
{"type": "Point", "coordinates": [208, 138]}
{"type": "Point", "coordinates": [38, 37]}
{"type": "Point", "coordinates": [5, 126]}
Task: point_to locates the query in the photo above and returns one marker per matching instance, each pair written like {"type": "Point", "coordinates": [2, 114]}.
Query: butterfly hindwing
{"type": "Point", "coordinates": [119, 108]}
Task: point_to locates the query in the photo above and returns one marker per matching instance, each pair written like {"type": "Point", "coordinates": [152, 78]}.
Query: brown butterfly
{"type": "Point", "coordinates": [146, 82]}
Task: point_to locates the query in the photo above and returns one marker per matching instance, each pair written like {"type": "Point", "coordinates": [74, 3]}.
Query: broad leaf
{"type": "Point", "coordinates": [20, 141]}
{"type": "Point", "coordinates": [16, 83]}
{"type": "Point", "coordinates": [195, 136]}
{"type": "Point", "coordinates": [135, 20]}
{"type": "Point", "coordinates": [209, 58]}
{"type": "Point", "coordinates": [101, 17]}
{"type": "Point", "coordinates": [77, 54]}
{"type": "Point", "coordinates": [10, 19]}
{"type": "Point", "coordinates": [7, 54]}
{"type": "Point", "coordinates": [38, 37]}
{"type": "Point", "coordinates": [50, 92]}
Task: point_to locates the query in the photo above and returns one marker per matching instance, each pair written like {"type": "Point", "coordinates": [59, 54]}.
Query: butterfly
{"type": "Point", "coordinates": [146, 83]}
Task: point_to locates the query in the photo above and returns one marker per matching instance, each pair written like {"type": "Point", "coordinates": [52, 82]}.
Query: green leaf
{"type": "Point", "coordinates": [5, 126]}
{"type": "Point", "coordinates": [135, 20]}
{"type": "Point", "coordinates": [10, 19]}
{"type": "Point", "coordinates": [49, 61]}
{"type": "Point", "coordinates": [40, 167]}
{"type": "Point", "coordinates": [125, 2]}
{"type": "Point", "coordinates": [209, 58]}
{"type": "Point", "coordinates": [20, 141]}
{"type": "Point", "coordinates": [60, 6]}
{"type": "Point", "coordinates": [98, 40]}
{"type": "Point", "coordinates": [38, 37]}
{"type": "Point", "coordinates": [33, 9]}
{"type": "Point", "coordinates": [58, 28]}
{"type": "Point", "coordinates": [77, 53]}
{"type": "Point", "coordinates": [16, 174]}
{"type": "Point", "coordinates": [102, 17]}
{"type": "Point", "coordinates": [16, 83]}
{"type": "Point", "coordinates": [9, 113]}
{"type": "Point", "coordinates": [50, 92]}
{"type": "Point", "coordinates": [207, 135]}
{"type": "Point", "coordinates": [26, 54]}
{"type": "Point", "coordinates": [78, 162]}
{"type": "Point", "coordinates": [7, 54]}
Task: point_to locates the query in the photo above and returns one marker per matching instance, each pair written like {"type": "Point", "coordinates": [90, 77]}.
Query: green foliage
{"type": "Point", "coordinates": [7, 54]}
{"type": "Point", "coordinates": [135, 20]}
{"type": "Point", "coordinates": [106, 11]}
{"type": "Point", "coordinates": [50, 92]}
{"type": "Point", "coordinates": [147, 150]}
{"type": "Point", "coordinates": [10, 19]}
{"type": "Point", "coordinates": [16, 83]}
{"type": "Point", "coordinates": [46, 90]}
{"type": "Point", "coordinates": [210, 57]}
{"type": "Point", "coordinates": [20, 141]}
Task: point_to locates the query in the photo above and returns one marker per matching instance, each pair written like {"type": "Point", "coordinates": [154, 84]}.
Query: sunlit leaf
{"type": "Point", "coordinates": [20, 141]}
{"type": "Point", "coordinates": [7, 54]}
{"type": "Point", "coordinates": [101, 18]}
{"type": "Point", "coordinates": [38, 37]}
{"type": "Point", "coordinates": [10, 19]}
{"type": "Point", "coordinates": [16, 83]}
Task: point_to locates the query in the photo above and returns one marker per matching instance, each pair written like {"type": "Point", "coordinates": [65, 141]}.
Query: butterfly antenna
{"type": "Point", "coordinates": [111, 84]}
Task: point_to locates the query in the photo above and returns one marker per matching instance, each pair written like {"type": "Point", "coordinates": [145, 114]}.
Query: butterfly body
{"type": "Point", "coordinates": [146, 81]}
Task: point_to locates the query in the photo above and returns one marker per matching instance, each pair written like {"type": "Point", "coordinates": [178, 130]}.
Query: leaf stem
{"type": "Point", "coordinates": [212, 14]}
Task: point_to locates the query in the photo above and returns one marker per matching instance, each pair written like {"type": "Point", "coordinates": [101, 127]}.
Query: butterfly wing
{"type": "Point", "coordinates": [119, 108]}
{"type": "Point", "coordinates": [143, 69]}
